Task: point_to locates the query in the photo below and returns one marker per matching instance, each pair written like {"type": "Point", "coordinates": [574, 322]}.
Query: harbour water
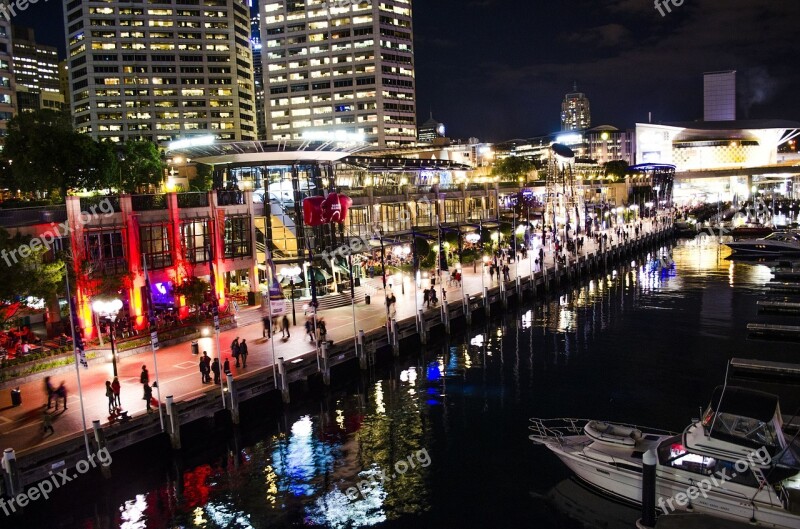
{"type": "Point", "coordinates": [439, 438]}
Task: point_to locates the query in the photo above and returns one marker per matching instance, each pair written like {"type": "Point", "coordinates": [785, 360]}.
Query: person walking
{"type": "Point", "coordinates": [243, 352]}
{"type": "Point", "coordinates": [148, 396]}
{"type": "Point", "coordinates": [205, 368]}
{"type": "Point", "coordinates": [310, 329]}
{"type": "Point", "coordinates": [215, 370]}
{"type": "Point", "coordinates": [426, 298]}
{"type": "Point", "coordinates": [47, 422]}
{"type": "Point", "coordinates": [110, 397]}
{"type": "Point", "coordinates": [506, 272]}
{"type": "Point", "coordinates": [116, 388]}
{"type": "Point", "coordinates": [491, 272]}
{"type": "Point", "coordinates": [285, 327]}
{"type": "Point", "coordinates": [50, 390]}
{"type": "Point", "coordinates": [235, 350]}
{"type": "Point", "coordinates": [61, 394]}
{"type": "Point", "coordinates": [144, 377]}
{"type": "Point", "coordinates": [266, 332]}
{"type": "Point", "coordinates": [322, 329]}
{"type": "Point", "coordinates": [226, 367]}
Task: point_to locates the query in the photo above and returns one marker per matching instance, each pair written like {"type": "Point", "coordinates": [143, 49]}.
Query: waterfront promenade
{"type": "Point", "coordinates": [179, 376]}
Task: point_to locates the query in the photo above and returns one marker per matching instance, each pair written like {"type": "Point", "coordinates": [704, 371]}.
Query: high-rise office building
{"type": "Point", "coordinates": [258, 76]}
{"type": "Point", "coordinates": [162, 69]}
{"type": "Point", "coordinates": [339, 67]}
{"type": "Point", "coordinates": [63, 81]}
{"type": "Point", "coordinates": [575, 112]}
{"type": "Point", "coordinates": [7, 103]}
{"type": "Point", "coordinates": [35, 72]}
{"type": "Point", "coordinates": [719, 96]}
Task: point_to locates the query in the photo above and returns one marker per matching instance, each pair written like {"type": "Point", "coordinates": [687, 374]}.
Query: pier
{"type": "Point", "coordinates": [361, 336]}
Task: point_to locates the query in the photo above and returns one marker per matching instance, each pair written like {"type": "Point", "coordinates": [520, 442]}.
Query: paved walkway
{"type": "Point", "coordinates": [20, 427]}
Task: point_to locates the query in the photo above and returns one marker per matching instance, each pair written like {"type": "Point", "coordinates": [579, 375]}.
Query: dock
{"type": "Point", "coordinates": [792, 288]}
{"type": "Point", "coordinates": [787, 275]}
{"type": "Point", "coordinates": [774, 331]}
{"type": "Point", "coordinates": [778, 306]}
{"type": "Point", "coordinates": [697, 521]}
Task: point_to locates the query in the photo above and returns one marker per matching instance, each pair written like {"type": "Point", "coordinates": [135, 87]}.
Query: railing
{"type": "Point", "coordinates": [101, 203]}
{"type": "Point", "coordinates": [193, 200]}
{"type": "Point", "coordinates": [29, 216]}
{"type": "Point", "coordinates": [148, 202]}
{"type": "Point", "coordinates": [227, 197]}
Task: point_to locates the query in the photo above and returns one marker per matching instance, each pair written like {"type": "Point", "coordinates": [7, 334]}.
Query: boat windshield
{"type": "Point", "coordinates": [744, 430]}
{"type": "Point", "coordinates": [783, 236]}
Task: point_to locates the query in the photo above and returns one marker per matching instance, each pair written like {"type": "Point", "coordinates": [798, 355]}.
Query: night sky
{"type": "Point", "coordinates": [498, 69]}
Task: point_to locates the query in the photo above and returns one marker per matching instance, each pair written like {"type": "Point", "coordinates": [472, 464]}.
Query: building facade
{"type": "Point", "coordinates": [35, 72]}
{"type": "Point", "coordinates": [258, 76]}
{"type": "Point", "coordinates": [719, 96]}
{"type": "Point", "coordinates": [575, 111]}
{"type": "Point", "coordinates": [339, 67]}
{"type": "Point", "coordinates": [7, 85]}
{"type": "Point", "coordinates": [160, 71]}
{"type": "Point", "coordinates": [432, 131]}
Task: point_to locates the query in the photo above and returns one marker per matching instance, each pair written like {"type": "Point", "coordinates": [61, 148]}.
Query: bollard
{"type": "Point", "coordinates": [234, 399]}
{"type": "Point", "coordinates": [11, 473]}
{"type": "Point", "coordinates": [362, 352]}
{"type": "Point", "coordinates": [326, 369]}
{"type": "Point", "coordinates": [173, 425]}
{"type": "Point", "coordinates": [423, 332]}
{"type": "Point", "coordinates": [648, 519]}
{"type": "Point", "coordinates": [100, 441]}
{"type": "Point", "coordinates": [284, 382]}
{"type": "Point", "coordinates": [445, 315]}
{"type": "Point", "coordinates": [467, 310]}
{"type": "Point", "coordinates": [487, 307]}
{"type": "Point", "coordinates": [519, 288]}
{"type": "Point", "coordinates": [395, 338]}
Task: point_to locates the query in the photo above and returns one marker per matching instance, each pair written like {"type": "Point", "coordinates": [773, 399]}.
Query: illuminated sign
{"type": "Point", "coordinates": [197, 141]}
{"type": "Point", "coordinates": [570, 139]}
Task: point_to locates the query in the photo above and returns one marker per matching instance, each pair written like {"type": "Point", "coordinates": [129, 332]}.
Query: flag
{"type": "Point", "coordinates": [151, 316]}
{"type": "Point", "coordinates": [80, 354]}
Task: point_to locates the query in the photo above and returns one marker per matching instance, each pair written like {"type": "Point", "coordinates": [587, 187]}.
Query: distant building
{"type": "Point", "coordinates": [339, 69]}
{"type": "Point", "coordinates": [7, 85]}
{"type": "Point", "coordinates": [161, 70]}
{"type": "Point", "coordinates": [432, 131]}
{"type": "Point", "coordinates": [719, 96]}
{"type": "Point", "coordinates": [575, 111]}
{"type": "Point", "coordinates": [35, 72]}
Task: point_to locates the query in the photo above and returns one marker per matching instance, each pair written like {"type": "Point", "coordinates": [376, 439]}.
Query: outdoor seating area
{"type": "Point", "coordinates": [19, 342]}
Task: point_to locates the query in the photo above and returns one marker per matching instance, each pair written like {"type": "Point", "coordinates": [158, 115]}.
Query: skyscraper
{"type": "Point", "coordinates": [35, 72]}
{"type": "Point", "coordinates": [339, 66]}
{"type": "Point", "coordinates": [161, 69]}
{"type": "Point", "coordinates": [719, 96]}
{"type": "Point", "coordinates": [7, 103]}
{"type": "Point", "coordinates": [258, 76]}
{"type": "Point", "coordinates": [575, 112]}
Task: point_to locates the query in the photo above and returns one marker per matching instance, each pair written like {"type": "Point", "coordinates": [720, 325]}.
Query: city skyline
{"type": "Point", "coordinates": [507, 80]}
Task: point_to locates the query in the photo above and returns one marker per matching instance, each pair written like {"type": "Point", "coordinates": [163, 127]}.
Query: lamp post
{"type": "Point", "coordinates": [292, 273]}
{"type": "Point", "coordinates": [109, 309]}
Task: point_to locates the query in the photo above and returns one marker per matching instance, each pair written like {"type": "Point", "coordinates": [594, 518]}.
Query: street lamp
{"type": "Point", "coordinates": [109, 309]}
{"type": "Point", "coordinates": [292, 272]}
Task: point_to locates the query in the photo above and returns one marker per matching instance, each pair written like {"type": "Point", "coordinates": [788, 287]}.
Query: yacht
{"type": "Point", "coordinates": [746, 467]}
{"type": "Point", "coordinates": [778, 243]}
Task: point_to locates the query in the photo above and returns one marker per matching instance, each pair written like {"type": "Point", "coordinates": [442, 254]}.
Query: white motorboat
{"type": "Point", "coordinates": [737, 458]}
{"type": "Point", "coordinates": [778, 243]}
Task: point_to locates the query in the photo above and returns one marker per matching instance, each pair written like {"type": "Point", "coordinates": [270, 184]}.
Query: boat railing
{"type": "Point", "coordinates": [555, 429]}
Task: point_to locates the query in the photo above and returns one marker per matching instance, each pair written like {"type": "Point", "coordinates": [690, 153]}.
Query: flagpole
{"type": "Point", "coordinates": [216, 304]}
{"type": "Point", "coordinates": [153, 337]}
{"type": "Point", "coordinates": [272, 330]}
{"type": "Point", "coordinates": [77, 368]}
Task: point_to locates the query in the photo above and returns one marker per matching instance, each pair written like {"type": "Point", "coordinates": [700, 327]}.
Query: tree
{"type": "Point", "coordinates": [26, 273]}
{"type": "Point", "coordinates": [45, 155]}
{"type": "Point", "coordinates": [616, 169]}
{"type": "Point", "coordinates": [513, 167]}
{"type": "Point", "coordinates": [194, 290]}
{"type": "Point", "coordinates": [139, 166]}
{"type": "Point", "coordinates": [203, 180]}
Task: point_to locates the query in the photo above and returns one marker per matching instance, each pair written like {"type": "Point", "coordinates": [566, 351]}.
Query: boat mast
{"type": "Point", "coordinates": [719, 404]}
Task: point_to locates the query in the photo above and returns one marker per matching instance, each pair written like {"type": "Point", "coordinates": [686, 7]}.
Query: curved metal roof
{"type": "Point", "coordinates": [270, 152]}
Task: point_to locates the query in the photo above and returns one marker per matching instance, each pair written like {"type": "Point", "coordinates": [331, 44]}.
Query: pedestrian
{"type": "Point", "coordinates": [235, 350]}
{"type": "Point", "coordinates": [226, 367]}
{"type": "Point", "coordinates": [506, 271]}
{"type": "Point", "coordinates": [426, 297]}
{"type": "Point", "coordinates": [148, 396]}
{"type": "Point", "coordinates": [116, 388]}
{"type": "Point", "coordinates": [61, 394]}
{"type": "Point", "coordinates": [47, 422]}
{"type": "Point", "coordinates": [243, 352]}
{"type": "Point", "coordinates": [110, 397]}
{"type": "Point", "coordinates": [310, 329]}
{"type": "Point", "coordinates": [322, 329]}
{"type": "Point", "coordinates": [285, 327]}
{"type": "Point", "coordinates": [144, 377]}
{"type": "Point", "coordinates": [215, 370]}
{"type": "Point", "coordinates": [491, 273]}
{"type": "Point", "coordinates": [50, 390]}
{"type": "Point", "coordinates": [266, 332]}
{"type": "Point", "coordinates": [204, 367]}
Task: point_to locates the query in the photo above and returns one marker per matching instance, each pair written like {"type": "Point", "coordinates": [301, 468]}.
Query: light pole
{"type": "Point", "coordinates": [109, 309]}
{"type": "Point", "coordinates": [292, 273]}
